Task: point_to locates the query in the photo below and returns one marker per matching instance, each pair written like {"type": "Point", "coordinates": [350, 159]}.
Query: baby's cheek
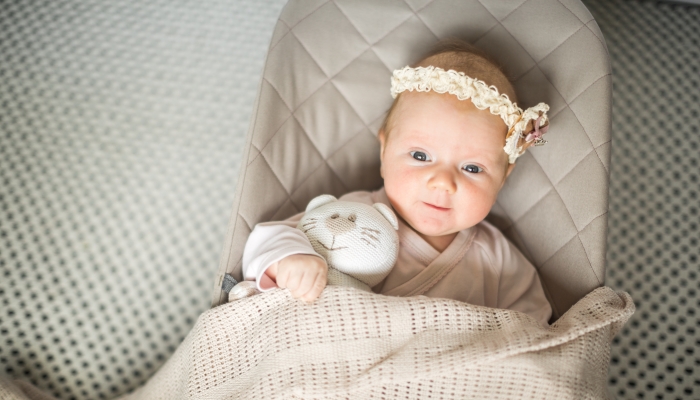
{"type": "Point", "coordinates": [398, 178]}
{"type": "Point", "coordinates": [480, 200]}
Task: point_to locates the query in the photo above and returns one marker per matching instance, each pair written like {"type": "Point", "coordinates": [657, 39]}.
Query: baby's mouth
{"type": "Point", "coordinates": [436, 207]}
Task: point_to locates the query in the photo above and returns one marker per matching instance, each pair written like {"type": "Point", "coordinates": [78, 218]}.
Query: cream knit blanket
{"type": "Point", "coordinates": [358, 345]}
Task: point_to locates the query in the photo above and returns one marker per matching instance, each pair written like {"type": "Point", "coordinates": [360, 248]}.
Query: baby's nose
{"type": "Point", "coordinates": [443, 180]}
{"type": "Point", "coordinates": [339, 225]}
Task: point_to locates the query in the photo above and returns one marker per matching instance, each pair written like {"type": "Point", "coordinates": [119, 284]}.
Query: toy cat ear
{"type": "Point", "coordinates": [387, 213]}
{"type": "Point", "coordinates": [318, 201]}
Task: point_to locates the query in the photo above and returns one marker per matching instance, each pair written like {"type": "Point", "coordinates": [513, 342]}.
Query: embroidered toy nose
{"type": "Point", "coordinates": [339, 225]}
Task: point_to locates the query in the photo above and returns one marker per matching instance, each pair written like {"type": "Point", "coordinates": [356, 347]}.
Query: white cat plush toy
{"type": "Point", "coordinates": [358, 241]}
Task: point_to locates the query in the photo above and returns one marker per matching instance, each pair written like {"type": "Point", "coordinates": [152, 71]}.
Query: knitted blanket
{"type": "Point", "coordinates": [353, 344]}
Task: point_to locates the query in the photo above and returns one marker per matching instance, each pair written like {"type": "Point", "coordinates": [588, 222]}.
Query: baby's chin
{"type": "Point", "coordinates": [432, 228]}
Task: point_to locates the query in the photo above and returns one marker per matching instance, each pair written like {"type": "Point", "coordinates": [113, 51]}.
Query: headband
{"type": "Point", "coordinates": [525, 128]}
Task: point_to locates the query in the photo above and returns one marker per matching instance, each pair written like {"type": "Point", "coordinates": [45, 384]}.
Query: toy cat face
{"type": "Point", "coordinates": [355, 238]}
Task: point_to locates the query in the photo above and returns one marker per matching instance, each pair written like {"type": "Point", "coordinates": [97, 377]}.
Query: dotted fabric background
{"type": "Point", "coordinates": [653, 228]}
{"type": "Point", "coordinates": [121, 125]}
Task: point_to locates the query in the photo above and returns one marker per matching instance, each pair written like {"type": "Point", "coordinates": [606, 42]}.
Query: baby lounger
{"type": "Point", "coordinates": [323, 96]}
{"type": "Point", "coordinates": [325, 92]}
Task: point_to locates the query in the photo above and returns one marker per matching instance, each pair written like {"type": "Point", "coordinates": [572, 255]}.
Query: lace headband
{"type": "Point", "coordinates": [533, 120]}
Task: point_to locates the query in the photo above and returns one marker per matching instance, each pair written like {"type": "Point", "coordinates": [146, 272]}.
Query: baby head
{"type": "Point", "coordinates": [444, 153]}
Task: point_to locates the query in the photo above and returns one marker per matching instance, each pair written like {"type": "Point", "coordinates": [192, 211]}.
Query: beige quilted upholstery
{"type": "Point", "coordinates": [325, 91]}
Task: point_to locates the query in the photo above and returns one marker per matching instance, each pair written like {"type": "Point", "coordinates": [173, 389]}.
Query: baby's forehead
{"type": "Point", "coordinates": [412, 103]}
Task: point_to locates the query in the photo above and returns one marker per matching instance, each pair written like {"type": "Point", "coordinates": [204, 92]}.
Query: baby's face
{"type": "Point", "coordinates": [443, 163]}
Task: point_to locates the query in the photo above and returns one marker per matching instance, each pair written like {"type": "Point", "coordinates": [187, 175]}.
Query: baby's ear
{"type": "Point", "coordinates": [387, 213]}
{"type": "Point", "coordinates": [318, 201]}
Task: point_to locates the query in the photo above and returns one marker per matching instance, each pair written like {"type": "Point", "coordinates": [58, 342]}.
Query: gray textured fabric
{"type": "Point", "coordinates": [122, 125]}
{"type": "Point", "coordinates": [654, 209]}
{"type": "Point", "coordinates": [318, 111]}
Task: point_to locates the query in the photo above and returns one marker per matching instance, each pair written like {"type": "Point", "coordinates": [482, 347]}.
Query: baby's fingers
{"type": "Point", "coordinates": [291, 281]}
{"type": "Point", "coordinates": [316, 288]}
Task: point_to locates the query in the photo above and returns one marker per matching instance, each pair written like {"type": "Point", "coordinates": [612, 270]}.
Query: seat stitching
{"type": "Point", "coordinates": [275, 175]}
{"type": "Point", "coordinates": [310, 141]}
{"type": "Point", "coordinates": [508, 15]}
{"type": "Point", "coordinates": [278, 129]}
{"type": "Point", "coordinates": [324, 73]}
{"type": "Point", "coordinates": [240, 202]}
{"type": "Point", "coordinates": [485, 33]}
{"type": "Point", "coordinates": [550, 82]}
{"type": "Point", "coordinates": [380, 59]}
{"type": "Point", "coordinates": [588, 87]}
{"type": "Point", "coordinates": [238, 212]}
{"type": "Point", "coordinates": [325, 161]}
{"type": "Point", "coordinates": [345, 144]}
{"type": "Point", "coordinates": [422, 8]}
{"type": "Point", "coordinates": [308, 15]}
{"type": "Point", "coordinates": [572, 12]}
{"type": "Point", "coordinates": [248, 224]}
{"type": "Point", "coordinates": [600, 281]}
{"type": "Point", "coordinates": [584, 247]}
{"type": "Point", "coordinates": [560, 198]}
{"type": "Point", "coordinates": [360, 32]}
{"type": "Point", "coordinates": [390, 32]}
{"type": "Point", "coordinates": [572, 221]}
{"type": "Point", "coordinates": [424, 24]}
{"type": "Point", "coordinates": [553, 185]}
{"type": "Point", "coordinates": [498, 22]}
{"type": "Point", "coordinates": [554, 49]}
{"type": "Point", "coordinates": [351, 107]}
{"type": "Point", "coordinates": [351, 24]}
{"type": "Point", "coordinates": [586, 24]}
{"type": "Point", "coordinates": [596, 36]}
{"type": "Point", "coordinates": [289, 30]}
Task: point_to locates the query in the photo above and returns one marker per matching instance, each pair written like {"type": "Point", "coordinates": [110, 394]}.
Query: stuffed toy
{"type": "Point", "coordinates": [358, 241]}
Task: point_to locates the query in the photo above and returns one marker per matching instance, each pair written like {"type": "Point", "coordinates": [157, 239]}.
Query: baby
{"type": "Point", "coordinates": [447, 145]}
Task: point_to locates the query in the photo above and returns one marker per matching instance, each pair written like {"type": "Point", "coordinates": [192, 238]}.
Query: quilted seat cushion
{"type": "Point", "coordinates": [325, 92]}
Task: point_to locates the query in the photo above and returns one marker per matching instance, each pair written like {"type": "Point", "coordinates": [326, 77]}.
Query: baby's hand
{"type": "Point", "coordinates": [304, 275]}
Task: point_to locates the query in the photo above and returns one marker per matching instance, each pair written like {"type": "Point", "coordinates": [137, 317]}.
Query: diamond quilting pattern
{"type": "Point", "coordinates": [513, 57]}
{"type": "Point", "coordinates": [561, 24]}
{"type": "Point", "coordinates": [501, 9]}
{"type": "Point", "coordinates": [374, 19]}
{"type": "Point", "coordinates": [567, 145]}
{"type": "Point", "coordinates": [594, 101]}
{"type": "Point", "coordinates": [291, 155]}
{"type": "Point", "coordinates": [268, 126]}
{"type": "Point", "coordinates": [400, 46]}
{"type": "Point", "coordinates": [528, 184]}
{"type": "Point", "coordinates": [468, 20]}
{"type": "Point", "coordinates": [569, 57]}
{"type": "Point", "coordinates": [534, 87]}
{"type": "Point", "coordinates": [553, 233]}
{"type": "Point", "coordinates": [292, 15]}
{"type": "Point", "coordinates": [329, 18]}
{"type": "Point", "coordinates": [328, 120]}
{"type": "Point", "coordinates": [366, 77]}
{"type": "Point", "coordinates": [310, 53]}
{"type": "Point", "coordinates": [294, 85]}
{"type": "Point", "coordinates": [585, 206]}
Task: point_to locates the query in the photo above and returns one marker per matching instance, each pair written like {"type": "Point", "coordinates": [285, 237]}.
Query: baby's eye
{"type": "Point", "coordinates": [474, 169]}
{"type": "Point", "coordinates": [419, 155]}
